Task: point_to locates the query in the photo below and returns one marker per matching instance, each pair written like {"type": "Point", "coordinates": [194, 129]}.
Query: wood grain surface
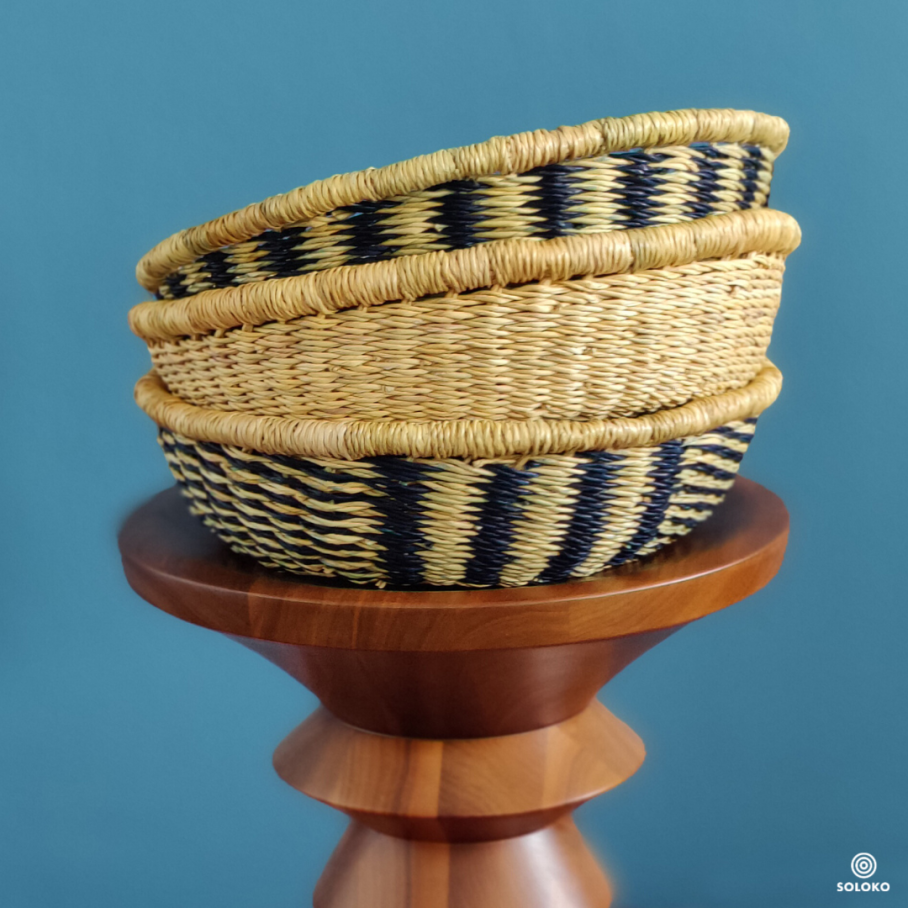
{"type": "Point", "coordinates": [457, 693]}
{"type": "Point", "coordinates": [459, 728]}
{"type": "Point", "coordinates": [171, 560]}
{"type": "Point", "coordinates": [459, 789]}
{"type": "Point", "coordinates": [551, 868]}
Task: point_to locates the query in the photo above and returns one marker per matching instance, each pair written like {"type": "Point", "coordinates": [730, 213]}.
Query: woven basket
{"type": "Point", "coordinates": [609, 174]}
{"type": "Point", "coordinates": [465, 515]}
{"type": "Point", "coordinates": [578, 348]}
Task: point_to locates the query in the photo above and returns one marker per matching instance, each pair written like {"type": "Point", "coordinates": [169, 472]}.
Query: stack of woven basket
{"type": "Point", "coordinates": [516, 362]}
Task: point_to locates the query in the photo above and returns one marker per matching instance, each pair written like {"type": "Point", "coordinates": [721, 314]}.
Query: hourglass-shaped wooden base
{"type": "Point", "coordinates": [459, 729]}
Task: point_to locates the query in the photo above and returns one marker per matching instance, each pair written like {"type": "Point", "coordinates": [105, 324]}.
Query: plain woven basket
{"type": "Point", "coordinates": [609, 174]}
{"type": "Point", "coordinates": [406, 504]}
{"type": "Point", "coordinates": [535, 342]}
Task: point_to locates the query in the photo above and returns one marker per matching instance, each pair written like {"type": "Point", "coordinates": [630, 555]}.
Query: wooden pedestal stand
{"type": "Point", "coordinates": [459, 729]}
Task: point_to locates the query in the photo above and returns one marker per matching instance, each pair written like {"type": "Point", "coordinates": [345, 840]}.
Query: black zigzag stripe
{"type": "Point", "coordinates": [401, 481]}
{"type": "Point", "coordinates": [555, 193]}
{"type": "Point", "coordinates": [664, 472]}
{"type": "Point", "coordinates": [641, 187]}
{"type": "Point", "coordinates": [459, 212]}
{"type": "Point", "coordinates": [497, 518]}
{"type": "Point", "coordinates": [594, 492]}
{"type": "Point", "coordinates": [553, 196]}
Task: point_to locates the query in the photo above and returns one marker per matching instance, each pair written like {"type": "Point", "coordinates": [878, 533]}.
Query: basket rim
{"type": "Point", "coordinates": [497, 263]}
{"type": "Point", "coordinates": [471, 439]}
{"type": "Point", "coordinates": [502, 154]}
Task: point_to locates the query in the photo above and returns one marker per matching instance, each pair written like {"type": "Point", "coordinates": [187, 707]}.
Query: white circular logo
{"type": "Point", "coordinates": [863, 865]}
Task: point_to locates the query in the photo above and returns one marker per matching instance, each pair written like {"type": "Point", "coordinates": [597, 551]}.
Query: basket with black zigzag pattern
{"type": "Point", "coordinates": [605, 175]}
{"type": "Point", "coordinates": [472, 503]}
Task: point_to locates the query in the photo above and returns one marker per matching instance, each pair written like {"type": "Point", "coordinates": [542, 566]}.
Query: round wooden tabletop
{"type": "Point", "coordinates": [175, 563]}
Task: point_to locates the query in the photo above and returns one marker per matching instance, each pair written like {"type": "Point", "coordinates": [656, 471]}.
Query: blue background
{"type": "Point", "coordinates": [134, 749]}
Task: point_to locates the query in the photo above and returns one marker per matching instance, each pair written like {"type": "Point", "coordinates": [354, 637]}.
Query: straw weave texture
{"type": "Point", "coordinates": [620, 191]}
{"type": "Point", "coordinates": [523, 361]}
{"type": "Point", "coordinates": [517, 154]}
{"type": "Point", "coordinates": [495, 264]}
{"type": "Point", "coordinates": [401, 522]}
{"type": "Point", "coordinates": [472, 439]}
{"type": "Point", "coordinates": [590, 348]}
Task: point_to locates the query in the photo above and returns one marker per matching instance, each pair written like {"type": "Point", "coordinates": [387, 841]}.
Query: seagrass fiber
{"type": "Point", "coordinates": [618, 191]}
{"type": "Point", "coordinates": [523, 361]}
{"type": "Point", "coordinates": [620, 345]}
{"type": "Point", "coordinates": [472, 439]}
{"type": "Point", "coordinates": [495, 264]}
{"type": "Point", "coordinates": [403, 522]}
{"type": "Point", "coordinates": [604, 174]}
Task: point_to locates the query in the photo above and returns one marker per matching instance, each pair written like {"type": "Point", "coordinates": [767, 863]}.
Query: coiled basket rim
{"type": "Point", "coordinates": [472, 439]}
{"type": "Point", "coordinates": [502, 154]}
{"type": "Point", "coordinates": [501, 263]}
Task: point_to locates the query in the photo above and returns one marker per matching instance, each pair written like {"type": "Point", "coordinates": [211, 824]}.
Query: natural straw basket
{"type": "Point", "coordinates": [534, 342]}
{"type": "Point", "coordinates": [341, 504]}
{"type": "Point", "coordinates": [609, 174]}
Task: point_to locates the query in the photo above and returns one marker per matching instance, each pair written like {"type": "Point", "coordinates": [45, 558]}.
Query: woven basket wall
{"type": "Point", "coordinates": [366, 502]}
{"type": "Point", "coordinates": [523, 361]}
{"type": "Point", "coordinates": [406, 522]}
{"type": "Point", "coordinates": [615, 192]}
{"type": "Point", "coordinates": [607, 174]}
{"type": "Point", "coordinates": [663, 316]}
{"type": "Point", "coordinates": [579, 349]}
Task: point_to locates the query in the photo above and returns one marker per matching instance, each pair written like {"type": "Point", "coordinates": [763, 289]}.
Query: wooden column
{"type": "Point", "coordinates": [459, 728]}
